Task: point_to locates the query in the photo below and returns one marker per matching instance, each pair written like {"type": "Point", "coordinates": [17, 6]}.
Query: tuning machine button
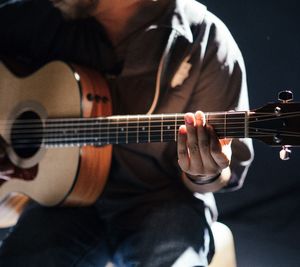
{"type": "Point", "coordinates": [285, 153]}
{"type": "Point", "coordinates": [285, 96]}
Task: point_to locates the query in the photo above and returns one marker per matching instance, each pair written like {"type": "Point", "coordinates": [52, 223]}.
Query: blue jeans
{"type": "Point", "coordinates": [159, 233]}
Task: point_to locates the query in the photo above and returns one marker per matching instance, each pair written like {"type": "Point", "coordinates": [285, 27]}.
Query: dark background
{"type": "Point", "coordinates": [265, 214]}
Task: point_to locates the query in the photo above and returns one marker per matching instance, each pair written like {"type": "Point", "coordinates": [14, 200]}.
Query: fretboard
{"type": "Point", "coordinates": [136, 129]}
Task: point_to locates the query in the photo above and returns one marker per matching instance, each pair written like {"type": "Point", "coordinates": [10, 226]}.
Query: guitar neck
{"type": "Point", "coordinates": [136, 129]}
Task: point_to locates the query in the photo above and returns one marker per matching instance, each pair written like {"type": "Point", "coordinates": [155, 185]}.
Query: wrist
{"type": "Point", "coordinates": [203, 180]}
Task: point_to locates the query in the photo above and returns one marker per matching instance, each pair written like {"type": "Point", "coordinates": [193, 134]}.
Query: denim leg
{"type": "Point", "coordinates": [55, 237]}
{"type": "Point", "coordinates": [172, 233]}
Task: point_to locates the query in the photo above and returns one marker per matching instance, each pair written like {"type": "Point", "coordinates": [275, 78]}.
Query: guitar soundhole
{"type": "Point", "coordinates": [27, 134]}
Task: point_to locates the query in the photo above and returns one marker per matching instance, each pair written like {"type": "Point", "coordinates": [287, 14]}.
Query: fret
{"type": "Point", "coordinates": [104, 133]}
{"type": "Point", "coordinates": [127, 119]}
{"type": "Point", "coordinates": [246, 125]}
{"type": "Point", "coordinates": [107, 130]}
{"type": "Point", "coordinates": [117, 130]}
{"type": "Point", "coordinates": [155, 128]}
{"type": "Point", "coordinates": [97, 132]}
{"type": "Point", "coordinates": [56, 134]}
{"type": "Point", "coordinates": [207, 117]}
{"type": "Point", "coordinates": [161, 127]}
{"type": "Point", "coordinates": [47, 136]}
{"type": "Point", "coordinates": [88, 132]}
{"type": "Point", "coordinates": [53, 136]}
{"type": "Point", "coordinates": [138, 127]}
{"type": "Point", "coordinates": [112, 130]}
{"type": "Point", "coordinates": [225, 125]}
{"type": "Point", "coordinates": [176, 126]}
{"type": "Point", "coordinates": [144, 129]}
{"type": "Point", "coordinates": [66, 132]}
{"type": "Point", "coordinates": [74, 133]}
{"type": "Point", "coordinates": [83, 135]}
{"type": "Point", "coordinates": [94, 132]}
{"type": "Point", "coordinates": [122, 130]}
{"type": "Point", "coordinates": [78, 133]}
{"type": "Point", "coordinates": [70, 132]}
{"type": "Point", "coordinates": [132, 130]}
{"type": "Point", "coordinates": [149, 129]}
{"type": "Point", "coordinates": [91, 132]}
{"type": "Point", "coordinates": [99, 128]}
{"type": "Point", "coordinates": [169, 128]}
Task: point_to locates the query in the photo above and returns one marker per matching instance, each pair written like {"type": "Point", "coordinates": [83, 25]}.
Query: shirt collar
{"type": "Point", "coordinates": [175, 19]}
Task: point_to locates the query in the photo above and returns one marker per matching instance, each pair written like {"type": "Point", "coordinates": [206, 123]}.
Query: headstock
{"type": "Point", "coordinates": [277, 124]}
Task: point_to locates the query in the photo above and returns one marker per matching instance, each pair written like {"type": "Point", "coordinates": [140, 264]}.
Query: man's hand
{"type": "Point", "coordinates": [202, 156]}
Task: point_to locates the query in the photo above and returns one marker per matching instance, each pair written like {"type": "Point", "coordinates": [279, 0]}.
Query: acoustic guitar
{"type": "Point", "coordinates": [57, 130]}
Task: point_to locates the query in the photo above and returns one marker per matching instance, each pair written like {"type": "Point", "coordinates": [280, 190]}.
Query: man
{"type": "Point", "coordinates": [148, 214]}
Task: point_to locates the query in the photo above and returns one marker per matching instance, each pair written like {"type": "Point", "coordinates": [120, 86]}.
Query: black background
{"type": "Point", "coordinates": [265, 214]}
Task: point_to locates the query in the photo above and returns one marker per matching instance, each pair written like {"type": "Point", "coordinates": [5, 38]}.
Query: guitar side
{"type": "Point", "coordinates": [65, 176]}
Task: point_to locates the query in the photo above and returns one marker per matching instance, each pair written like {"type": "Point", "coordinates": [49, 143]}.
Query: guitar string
{"type": "Point", "coordinates": [109, 126]}
{"type": "Point", "coordinates": [129, 119]}
{"type": "Point", "coordinates": [84, 133]}
{"type": "Point", "coordinates": [105, 135]}
{"type": "Point", "coordinates": [158, 139]}
{"type": "Point", "coordinates": [59, 139]}
{"type": "Point", "coordinates": [112, 129]}
{"type": "Point", "coordinates": [97, 122]}
{"type": "Point", "coordinates": [132, 129]}
{"type": "Point", "coordinates": [104, 139]}
{"type": "Point", "coordinates": [129, 123]}
{"type": "Point", "coordinates": [108, 130]}
{"type": "Point", "coordinates": [90, 129]}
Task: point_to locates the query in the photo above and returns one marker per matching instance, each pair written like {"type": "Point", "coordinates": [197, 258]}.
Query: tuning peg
{"type": "Point", "coordinates": [285, 96]}
{"type": "Point", "coordinates": [285, 153]}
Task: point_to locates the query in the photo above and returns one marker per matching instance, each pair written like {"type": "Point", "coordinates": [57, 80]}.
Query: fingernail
{"type": "Point", "coordinates": [182, 130]}
{"type": "Point", "coordinates": [189, 120]}
{"type": "Point", "coordinates": [200, 118]}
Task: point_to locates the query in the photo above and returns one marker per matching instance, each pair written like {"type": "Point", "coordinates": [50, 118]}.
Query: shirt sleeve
{"type": "Point", "coordinates": [222, 86]}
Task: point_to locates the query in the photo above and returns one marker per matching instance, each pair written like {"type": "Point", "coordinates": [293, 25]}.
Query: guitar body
{"type": "Point", "coordinates": [58, 176]}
